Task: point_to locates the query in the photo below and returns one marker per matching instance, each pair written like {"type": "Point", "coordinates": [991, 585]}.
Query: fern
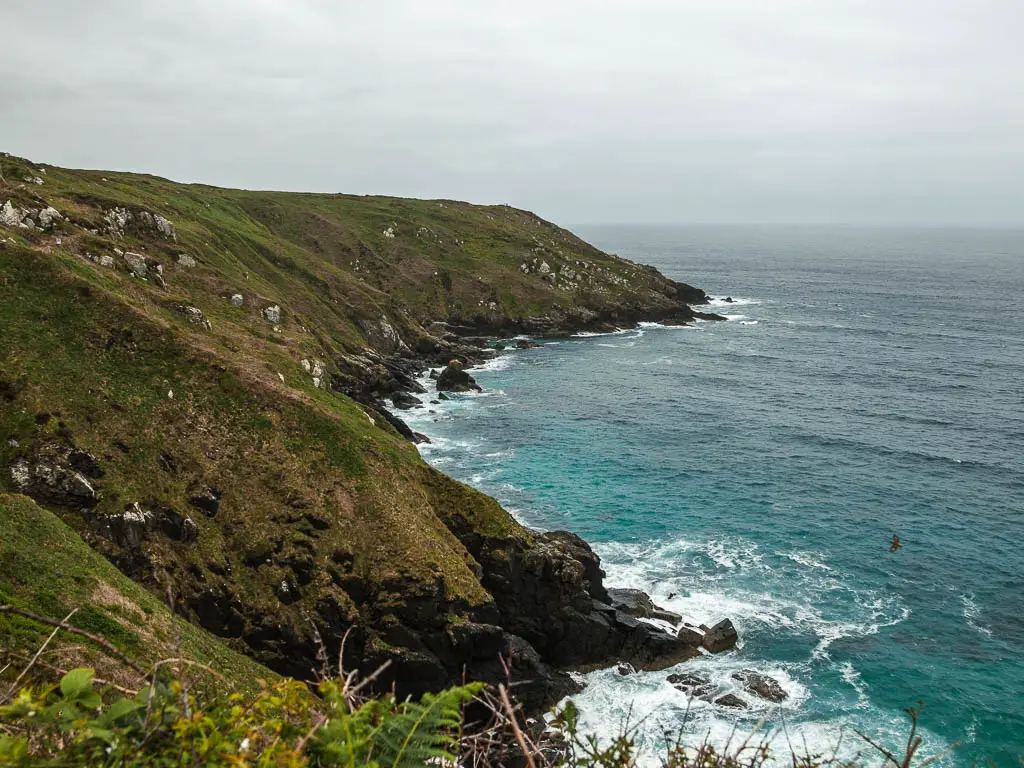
{"type": "Point", "coordinates": [380, 733]}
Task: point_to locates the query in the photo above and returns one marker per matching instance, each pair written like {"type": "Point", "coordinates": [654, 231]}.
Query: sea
{"type": "Point", "coordinates": [867, 383]}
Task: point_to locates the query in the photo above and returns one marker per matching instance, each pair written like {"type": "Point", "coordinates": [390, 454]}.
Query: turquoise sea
{"type": "Point", "coordinates": [867, 383]}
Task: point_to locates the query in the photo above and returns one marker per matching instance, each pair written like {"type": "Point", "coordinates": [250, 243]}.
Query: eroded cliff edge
{"type": "Point", "coordinates": [196, 380]}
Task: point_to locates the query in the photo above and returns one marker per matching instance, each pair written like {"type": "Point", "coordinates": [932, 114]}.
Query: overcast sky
{"type": "Point", "coordinates": [868, 111]}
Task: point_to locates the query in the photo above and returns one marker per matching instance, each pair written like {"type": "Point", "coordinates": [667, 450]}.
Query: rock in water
{"type": "Point", "coordinates": [405, 401]}
{"type": "Point", "coordinates": [454, 379]}
{"type": "Point", "coordinates": [721, 637]}
{"type": "Point", "coordinates": [767, 688]}
{"type": "Point", "coordinates": [731, 700]}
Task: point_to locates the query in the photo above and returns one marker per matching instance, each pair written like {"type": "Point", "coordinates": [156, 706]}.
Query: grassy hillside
{"type": "Point", "coordinates": [46, 569]}
{"type": "Point", "coordinates": [175, 385]}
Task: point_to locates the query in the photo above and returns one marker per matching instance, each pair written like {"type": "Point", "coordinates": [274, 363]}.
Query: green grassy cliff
{"type": "Point", "coordinates": [193, 380]}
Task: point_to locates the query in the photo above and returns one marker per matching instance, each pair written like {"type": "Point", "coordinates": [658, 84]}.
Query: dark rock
{"type": "Point", "coordinates": [690, 636]}
{"type": "Point", "coordinates": [729, 300]}
{"type": "Point", "coordinates": [206, 498]}
{"type": "Point", "coordinates": [177, 526]}
{"type": "Point", "coordinates": [454, 379]}
{"type": "Point", "coordinates": [633, 602]}
{"type": "Point", "coordinates": [442, 396]}
{"type": "Point", "coordinates": [731, 700]}
{"type": "Point", "coordinates": [419, 437]}
{"type": "Point", "coordinates": [663, 615]}
{"type": "Point", "coordinates": [433, 374]}
{"type": "Point", "coordinates": [692, 683]}
{"type": "Point", "coordinates": [405, 401]}
{"type": "Point", "coordinates": [85, 463]}
{"type": "Point", "coordinates": [766, 687]}
{"type": "Point", "coordinates": [721, 637]}
{"type": "Point", "coordinates": [625, 669]}
{"type": "Point", "coordinates": [522, 344]}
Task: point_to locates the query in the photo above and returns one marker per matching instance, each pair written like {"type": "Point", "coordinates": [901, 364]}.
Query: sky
{"type": "Point", "coordinates": [584, 111]}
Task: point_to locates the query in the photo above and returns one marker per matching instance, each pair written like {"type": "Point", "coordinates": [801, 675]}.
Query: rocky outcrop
{"type": "Point", "coordinates": [721, 637]}
{"type": "Point", "coordinates": [50, 477]}
{"type": "Point", "coordinates": [454, 379]}
{"type": "Point", "coordinates": [763, 686]}
{"type": "Point", "coordinates": [43, 218]}
{"type": "Point", "coordinates": [119, 220]}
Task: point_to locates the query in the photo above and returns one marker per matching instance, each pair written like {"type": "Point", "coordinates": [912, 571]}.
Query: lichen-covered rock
{"type": "Point", "coordinates": [11, 216]}
{"type": "Point", "coordinates": [272, 314]}
{"type": "Point", "coordinates": [136, 263]}
{"type": "Point", "coordinates": [50, 479]}
{"type": "Point", "coordinates": [184, 260]}
{"type": "Point", "coordinates": [237, 300]}
{"type": "Point", "coordinates": [195, 316]}
{"type": "Point", "coordinates": [382, 336]}
{"type": "Point", "coordinates": [48, 216]}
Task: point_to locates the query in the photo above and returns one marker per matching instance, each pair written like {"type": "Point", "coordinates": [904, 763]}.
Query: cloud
{"type": "Point", "coordinates": [726, 111]}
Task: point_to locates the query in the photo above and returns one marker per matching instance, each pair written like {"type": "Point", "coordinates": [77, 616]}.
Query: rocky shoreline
{"type": "Point", "coordinates": [554, 614]}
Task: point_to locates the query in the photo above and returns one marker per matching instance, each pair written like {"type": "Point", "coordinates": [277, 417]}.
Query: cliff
{"type": "Point", "coordinates": [194, 381]}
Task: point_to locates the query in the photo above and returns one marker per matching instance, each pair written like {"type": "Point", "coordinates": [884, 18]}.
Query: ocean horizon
{"type": "Point", "coordinates": [866, 383]}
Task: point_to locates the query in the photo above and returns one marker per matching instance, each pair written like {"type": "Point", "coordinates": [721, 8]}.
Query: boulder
{"type": "Point", "coordinates": [523, 344]}
{"type": "Point", "coordinates": [625, 669]}
{"type": "Point", "coordinates": [184, 260]}
{"type": "Point", "coordinates": [405, 401]}
{"type": "Point", "coordinates": [454, 379]}
{"type": "Point", "coordinates": [763, 686]}
{"type": "Point", "coordinates": [721, 637]}
{"type": "Point", "coordinates": [272, 314]}
{"type": "Point", "coordinates": [731, 700]}
{"type": "Point", "coordinates": [690, 636]}
{"type": "Point", "coordinates": [237, 299]}
{"type": "Point", "coordinates": [136, 263]}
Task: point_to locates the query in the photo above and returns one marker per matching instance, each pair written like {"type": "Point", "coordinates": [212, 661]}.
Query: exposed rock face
{"type": "Point", "coordinates": [50, 479]}
{"type": "Point", "coordinates": [633, 602]}
{"type": "Point", "coordinates": [382, 336]}
{"type": "Point", "coordinates": [721, 637]}
{"type": "Point", "coordinates": [136, 263]}
{"type": "Point", "coordinates": [765, 687]}
{"type": "Point", "coordinates": [195, 316]}
{"type": "Point", "coordinates": [118, 220]}
{"type": "Point", "coordinates": [454, 379]}
{"type": "Point", "coordinates": [29, 218]}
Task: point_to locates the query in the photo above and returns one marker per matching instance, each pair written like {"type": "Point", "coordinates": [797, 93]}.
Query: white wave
{"type": "Point", "coordinates": [852, 678]}
{"type": "Point", "coordinates": [734, 317]}
{"type": "Point", "coordinates": [736, 302]}
{"type": "Point", "coordinates": [972, 612]}
{"type": "Point", "coordinates": [652, 709]}
{"type": "Point", "coordinates": [498, 363]}
{"type": "Point", "coordinates": [610, 346]}
{"type": "Point", "coordinates": [749, 322]}
{"type": "Point", "coordinates": [589, 334]}
{"type": "Point", "coordinates": [809, 559]}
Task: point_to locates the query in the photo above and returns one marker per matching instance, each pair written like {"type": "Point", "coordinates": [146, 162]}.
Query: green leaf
{"type": "Point", "coordinates": [76, 682]}
{"type": "Point", "coordinates": [120, 709]}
